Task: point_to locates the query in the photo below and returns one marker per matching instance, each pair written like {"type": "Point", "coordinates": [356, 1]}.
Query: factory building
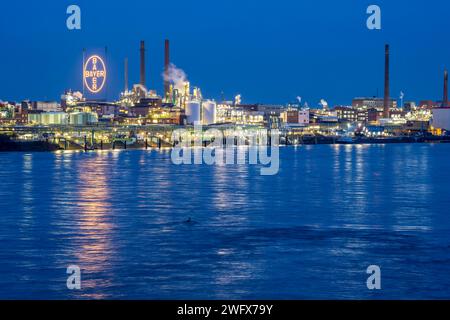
{"type": "Point", "coordinates": [171, 116]}
{"type": "Point", "coordinates": [46, 106]}
{"type": "Point", "coordinates": [70, 99]}
{"type": "Point", "coordinates": [441, 116]}
{"type": "Point", "coordinates": [82, 118]}
{"type": "Point", "coordinates": [409, 106]}
{"type": "Point", "coordinates": [428, 104]}
{"type": "Point", "coordinates": [374, 115]}
{"type": "Point", "coordinates": [48, 118]}
{"type": "Point", "coordinates": [11, 113]}
{"type": "Point", "coordinates": [105, 110]}
{"type": "Point", "coordinates": [145, 106]}
{"type": "Point", "coordinates": [350, 114]}
{"type": "Point", "coordinates": [378, 103]}
{"type": "Point", "coordinates": [241, 114]}
{"type": "Point", "coordinates": [295, 117]}
{"type": "Point", "coordinates": [7, 110]}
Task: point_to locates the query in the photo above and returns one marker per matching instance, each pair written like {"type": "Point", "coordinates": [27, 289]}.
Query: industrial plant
{"type": "Point", "coordinates": [142, 118]}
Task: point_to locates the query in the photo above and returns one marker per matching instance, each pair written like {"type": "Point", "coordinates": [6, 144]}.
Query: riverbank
{"type": "Point", "coordinates": [8, 144]}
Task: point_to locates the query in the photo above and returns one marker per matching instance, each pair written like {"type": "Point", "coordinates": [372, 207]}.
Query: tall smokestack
{"type": "Point", "coordinates": [445, 100]}
{"type": "Point", "coordinates": [386, 83]}
{"type": "Point", "coordinates": [166, 66]}
{"type": "Point", "coordinates": [142, 82]}
{"type": "Point", "coordinates": [126, 74]}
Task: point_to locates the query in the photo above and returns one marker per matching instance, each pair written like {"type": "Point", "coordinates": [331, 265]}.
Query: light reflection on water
{"type": "Point", "coordinates": [308, 232]}
{"type": "Point", "coordinates": [94, 224]}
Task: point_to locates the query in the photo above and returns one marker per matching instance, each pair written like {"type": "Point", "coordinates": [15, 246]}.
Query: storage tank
{"type": "Point", "coordinates": [54, 118]}
{"type": "Point", "coordinates": [441, 118]}
{"type": "Point", "coordinates": [209, 112]}
{"type": "Point", "coordinates": [193, 112]}
{"type": "Point", "coordinates": [82, 118]}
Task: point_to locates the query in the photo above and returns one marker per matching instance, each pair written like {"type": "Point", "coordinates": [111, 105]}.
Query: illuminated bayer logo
{"type": "Point", "coordinates": [94, 74]}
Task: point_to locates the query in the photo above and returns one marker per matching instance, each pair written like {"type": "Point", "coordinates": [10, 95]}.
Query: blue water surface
{"type": "Point", "coordinates": [309, 232]}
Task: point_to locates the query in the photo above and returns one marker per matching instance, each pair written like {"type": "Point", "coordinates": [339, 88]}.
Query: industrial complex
{"type": "Point", "coordinates": [142, 118]}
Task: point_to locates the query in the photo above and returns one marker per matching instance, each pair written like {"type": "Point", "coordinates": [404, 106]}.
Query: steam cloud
{"type": "Point", "coordinates": [176, 76]}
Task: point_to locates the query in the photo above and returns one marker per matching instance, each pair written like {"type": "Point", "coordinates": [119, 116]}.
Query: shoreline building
{"type": "Point", "coordinates": [441, 115]}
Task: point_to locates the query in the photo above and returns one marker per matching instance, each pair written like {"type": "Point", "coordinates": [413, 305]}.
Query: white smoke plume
{"type": "Point", "coordinates": [299, 99]}
{"type": "Point", "coordinates": [324, 103]}
{"type": "Point", "coordinates": [175, 76]}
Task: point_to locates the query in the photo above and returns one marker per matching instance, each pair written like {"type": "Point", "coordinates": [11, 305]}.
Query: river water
{"type": "Point", "coordinates": [308, 232]}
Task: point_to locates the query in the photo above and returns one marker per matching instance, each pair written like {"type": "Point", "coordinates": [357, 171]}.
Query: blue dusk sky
{"type": "Point", "coordinates": [268, 51]}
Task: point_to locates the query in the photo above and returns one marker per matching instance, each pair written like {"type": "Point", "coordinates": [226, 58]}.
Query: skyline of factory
{"type": "Point", "coordinates": [183, 104]}
{"type": "Point", "coordinates": [166, 83]}
{"type": "Point", "coordinates": [152, 86]}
